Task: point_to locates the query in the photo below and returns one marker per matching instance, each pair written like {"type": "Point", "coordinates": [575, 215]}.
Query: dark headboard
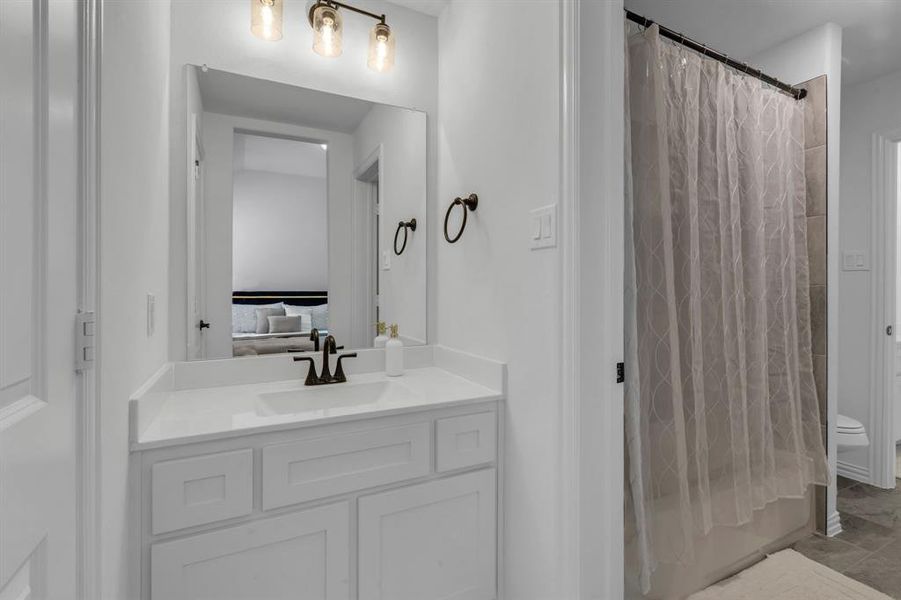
{"type": "Point", "coordinates": [293, 298]}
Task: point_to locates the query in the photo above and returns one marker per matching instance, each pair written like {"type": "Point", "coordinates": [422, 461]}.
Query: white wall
{"type": "Point", "coordinates": [217, 34]}
{"type": "Point", "coordinates": [499, 136]}
{"type": "Point", "coordinates": [218, 142]}
{"type": "Point", "coordinates": [280, 232]}
{"type": "Point", "coordinates": [402, 137]}
{"type": "Point", "coordinates": [809, 55]}
{"type": "Point", "coordinates": [134, 222]}
{"type": "Point", "coordinates": [866, 108]}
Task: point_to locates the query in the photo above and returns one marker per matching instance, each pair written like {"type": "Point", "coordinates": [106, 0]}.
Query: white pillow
{"type": "Point", "coordinates": [244, 316]}
{"type": "Point", "coordinates": [304, 312]}
{"type": "Point", "coordinates": [280, 324]}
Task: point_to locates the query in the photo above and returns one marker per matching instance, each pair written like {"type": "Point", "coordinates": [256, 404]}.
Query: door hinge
{"type": "Point", "coordinates": [85, 334]}
{"type": "Point", "coordinates": [196, 169]}
{"type": "Point", "coordinates": [620, 372]}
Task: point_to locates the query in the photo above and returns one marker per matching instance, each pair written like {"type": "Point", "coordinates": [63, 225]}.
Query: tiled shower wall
{"type": "Point", "coordinates": [815, 172]}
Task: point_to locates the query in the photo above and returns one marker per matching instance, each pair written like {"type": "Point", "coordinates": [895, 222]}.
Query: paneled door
{"type": "Point", "coordinates": [432, 541]}
{"type": "Point", "coordinates": [39, 183]}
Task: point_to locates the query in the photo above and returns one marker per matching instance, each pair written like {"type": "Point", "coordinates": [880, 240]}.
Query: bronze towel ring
{"type": "Point", "coordinates": [411, 224]}
{"type": "Point", "coordinates": [468, 204]}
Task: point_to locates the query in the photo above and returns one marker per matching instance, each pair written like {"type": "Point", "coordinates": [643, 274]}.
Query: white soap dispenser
{"type": "Point", "coordinates": [380, 328]}
{"type": "Point", "coordinates": [394, 354]}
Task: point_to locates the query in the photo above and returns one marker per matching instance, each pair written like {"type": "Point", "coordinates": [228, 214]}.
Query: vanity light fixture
{"type": "Point", "coordinates": [266, 19]}
{"type": "Point", "coordinates": [325, 19]}
{"type": "Point", "coordinates": [381, 48]}
{"type": "Point", "coordinates": [328, 29]}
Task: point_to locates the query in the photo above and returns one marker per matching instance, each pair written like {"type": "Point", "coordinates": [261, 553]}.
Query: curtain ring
{"type": "Point", "coordinates": [411, 224]}
{"type": "Point", "coordinates": [468, 204]}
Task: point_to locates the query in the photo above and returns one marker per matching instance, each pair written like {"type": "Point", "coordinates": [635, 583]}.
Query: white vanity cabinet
{"type": "Point", "coordinates": [402, 507]}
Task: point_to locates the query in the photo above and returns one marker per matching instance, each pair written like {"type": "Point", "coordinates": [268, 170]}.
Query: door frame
{"type": "Point", "coordinates": [368, 178]}
{"type": "Point", "coordinates": [884, 186]}
{"type": "Point", "coordinates": [88, 528]}
{"type": "Point", "coordinates": [194, 200]}
{"type": "Point", "coordinates": [591, 212]}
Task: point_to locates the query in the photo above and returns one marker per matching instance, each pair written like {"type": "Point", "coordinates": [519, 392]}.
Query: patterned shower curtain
{"type": "Point", "coordinates": [722, 415]}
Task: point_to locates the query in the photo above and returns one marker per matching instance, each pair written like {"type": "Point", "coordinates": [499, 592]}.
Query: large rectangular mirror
{"type": "Point", "coordinates": [305, 215]}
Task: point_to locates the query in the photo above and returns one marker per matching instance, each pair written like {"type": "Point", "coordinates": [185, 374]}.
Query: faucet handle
{"type": "Point", "coordinates": [311, 372]}
{"type": "Point", "coordinates": [339, 370]}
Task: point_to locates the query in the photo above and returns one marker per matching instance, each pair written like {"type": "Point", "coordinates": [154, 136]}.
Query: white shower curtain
{"type": "Point", "coordinates": [721, 409]}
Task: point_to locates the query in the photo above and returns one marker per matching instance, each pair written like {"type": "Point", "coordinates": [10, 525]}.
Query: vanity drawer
{"type": "Point", "coordinates": [201, 489]}
{"type": "Point", "coordinates": [465, 441]}
{"type": "Point", "coordinates": [305, 470]}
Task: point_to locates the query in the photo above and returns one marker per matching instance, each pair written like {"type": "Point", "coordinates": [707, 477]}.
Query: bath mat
{"type": "Point", "coordinates": [788, 575]}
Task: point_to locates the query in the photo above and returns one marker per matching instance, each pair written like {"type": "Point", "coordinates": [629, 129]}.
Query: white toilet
{"type": "Point", "coordinates": [850, 433]}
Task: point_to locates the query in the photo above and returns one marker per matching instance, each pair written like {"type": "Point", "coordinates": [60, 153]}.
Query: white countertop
{"type": "Point", "coordinates": [201, 414]}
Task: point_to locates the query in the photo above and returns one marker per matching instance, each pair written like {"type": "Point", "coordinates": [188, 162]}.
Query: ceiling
{"type": "Point", "coordinates": [871, 46]}
{"type": "Point", "coordinates": [241, 96]}
{"type": "Point", "coordinates": [279, 155]}
{"type": "Point", "coordinates": [429, 7]}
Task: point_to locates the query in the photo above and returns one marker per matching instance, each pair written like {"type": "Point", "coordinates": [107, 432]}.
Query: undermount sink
{"type": "Point", "coordinates": [341, 395]}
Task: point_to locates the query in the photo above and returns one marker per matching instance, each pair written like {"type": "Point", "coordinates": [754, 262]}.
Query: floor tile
{"type": "Point", "coordinates": [874, 504]}
{"type": "Point", "coordinates": [834, 553]}
{"type": "Point", "coordinates": [866, 534]}
{"type": "Point", "coordinates": [844, 482]}
{"type": "Point", "coordinates": [879, 573]}
{"type": "Point", "coordinates": [892, 552]}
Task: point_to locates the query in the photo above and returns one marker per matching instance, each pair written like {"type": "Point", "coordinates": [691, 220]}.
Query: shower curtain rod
{"type": "Point", "coordinates": [796, 93]}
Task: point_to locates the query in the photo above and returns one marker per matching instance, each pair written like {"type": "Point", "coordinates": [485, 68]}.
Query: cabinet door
{"type": "Point", "coordinates": [299, 556]}
{"type": "Point", "coordinates": [436, 540]}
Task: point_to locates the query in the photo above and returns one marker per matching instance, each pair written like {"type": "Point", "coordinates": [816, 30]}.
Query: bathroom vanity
{"type": "Point", "coordinates": [378, 488]}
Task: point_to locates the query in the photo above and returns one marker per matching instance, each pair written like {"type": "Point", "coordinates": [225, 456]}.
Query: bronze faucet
{"type": "Point", "coordinates": [326, 377]}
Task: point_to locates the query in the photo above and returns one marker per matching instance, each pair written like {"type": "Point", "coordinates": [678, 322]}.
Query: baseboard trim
{"type": "Point", "coordinates": [833, 524]}
{"type": "Point", "coordinates": [854, 472]}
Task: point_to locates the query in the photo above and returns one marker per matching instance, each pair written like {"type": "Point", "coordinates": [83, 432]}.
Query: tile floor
{"type": "Point", "coordinates": [869, 547]}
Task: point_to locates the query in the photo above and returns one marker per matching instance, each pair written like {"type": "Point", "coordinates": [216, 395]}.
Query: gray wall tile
{"type": "Point", "coordinates": [815, 172]}
{"type": "Point", "coordinates": [815, 112]}
{"type": "Point", "coordinates": [818, 318]}
{"type": "Point", "coordinates": [816, 249]}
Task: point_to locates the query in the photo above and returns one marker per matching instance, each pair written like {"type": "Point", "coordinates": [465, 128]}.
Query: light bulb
{"type": "Point", "coordinates": [266, 19]}
{"type": "Point", "coordinates": [381, 48]}
{"type": "Point", "coordinates": [327, 31]}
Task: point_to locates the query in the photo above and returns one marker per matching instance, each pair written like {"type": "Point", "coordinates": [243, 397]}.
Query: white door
{"type": "Point", "coordinates": [196, 243]}
{"type": "Point", "coordinates": [432, 541]}
{"type": "Point", "coordinates": [39, 53]}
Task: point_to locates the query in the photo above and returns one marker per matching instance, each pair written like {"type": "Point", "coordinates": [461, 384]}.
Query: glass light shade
{"type": "Point", "coordinates": [381, 48]}
{"type": "Point", "coordinates": [327, 31]}
{"type": "Point", "coordinates": [266, 19]}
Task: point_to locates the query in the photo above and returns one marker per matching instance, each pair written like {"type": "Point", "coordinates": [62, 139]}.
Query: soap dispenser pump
{"type": "Point", "coordinates": [394, 354]}
{"type": "Point", "coordinates": [381, 339]}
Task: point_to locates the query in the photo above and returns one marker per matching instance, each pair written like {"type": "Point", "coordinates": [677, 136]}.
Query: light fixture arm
{"type": "Point", "coordinates": [335, 5]}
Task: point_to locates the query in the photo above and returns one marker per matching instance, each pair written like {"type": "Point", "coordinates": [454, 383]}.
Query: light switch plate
{"type": "Point", "coordinates": [543, 227]}
{"type": "Point", "coordinates": [386, 260]}
{"type": "Point", "coordinates": [855, 261]}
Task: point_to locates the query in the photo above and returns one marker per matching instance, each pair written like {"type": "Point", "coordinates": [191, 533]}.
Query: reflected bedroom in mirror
{"type": "Point", "coordinates": [302, 212]}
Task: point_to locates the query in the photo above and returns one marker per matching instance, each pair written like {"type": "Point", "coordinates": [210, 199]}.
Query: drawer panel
{"type": "Point", "coordinates": [300, 471]}
{"type": "Point", "coordinates": [201, 489]}
{"type": "Point", "coordinates": [465, 441]}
